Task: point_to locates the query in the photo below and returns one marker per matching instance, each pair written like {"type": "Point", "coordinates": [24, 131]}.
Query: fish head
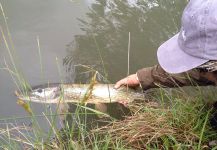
{"type": "Point", "coordinates": [41, 94]}
{"type": "Point", "coordinates": [46, 93]}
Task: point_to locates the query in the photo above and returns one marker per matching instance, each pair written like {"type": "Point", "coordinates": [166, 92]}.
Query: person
{"type": "Point", "coordinates": [188, 58]}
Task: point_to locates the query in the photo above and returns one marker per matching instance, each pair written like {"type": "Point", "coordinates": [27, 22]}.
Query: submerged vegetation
{"type": "Point", "coordinates": [168, 119]}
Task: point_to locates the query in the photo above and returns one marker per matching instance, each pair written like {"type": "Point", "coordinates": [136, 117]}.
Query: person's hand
{"type": "Point", "coordinates": [131, 81]}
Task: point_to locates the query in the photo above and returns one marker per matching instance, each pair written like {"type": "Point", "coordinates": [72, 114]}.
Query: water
{"type": "Point", "coordinates": [72, 35]}
{"type": "Point", "coordinates": [55, 23]}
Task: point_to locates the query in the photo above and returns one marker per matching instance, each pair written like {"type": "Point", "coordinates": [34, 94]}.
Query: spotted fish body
{"type": "Point", "coordinates": [76, 93]}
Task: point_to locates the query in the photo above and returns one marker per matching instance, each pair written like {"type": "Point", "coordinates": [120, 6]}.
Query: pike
{"type": "Point", "coordinates": [80, 93]}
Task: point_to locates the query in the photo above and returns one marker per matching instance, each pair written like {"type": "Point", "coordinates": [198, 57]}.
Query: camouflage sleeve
{"type": "Point", "coordinates": [154, 77]}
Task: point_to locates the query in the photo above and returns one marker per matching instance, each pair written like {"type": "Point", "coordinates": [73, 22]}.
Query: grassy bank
{"type": "Point", "coordinates": [167, 120]}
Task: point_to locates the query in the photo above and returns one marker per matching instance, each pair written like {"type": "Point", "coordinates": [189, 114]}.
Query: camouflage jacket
{"type": "Point", "coordinates": [153, 77]}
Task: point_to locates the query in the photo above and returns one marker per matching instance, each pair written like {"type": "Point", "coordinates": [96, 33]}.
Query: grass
{"type": "Point", "coordinates": [166, 120]}
{"type": "Point", "coordinates": [172, 122]}
{"type": "Point", "coordinates": [184, 125]}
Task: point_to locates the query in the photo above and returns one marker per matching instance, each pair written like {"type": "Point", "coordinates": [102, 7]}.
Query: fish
{"type": "Point", "coordinates": [80, 93]}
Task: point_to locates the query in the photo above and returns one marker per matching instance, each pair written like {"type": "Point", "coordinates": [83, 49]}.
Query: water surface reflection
{"type": "Point", "coordinates": [105, 41]}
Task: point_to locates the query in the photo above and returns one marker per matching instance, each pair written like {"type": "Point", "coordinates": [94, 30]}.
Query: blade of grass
{"type": "Point", "coordinates": [203, 129]}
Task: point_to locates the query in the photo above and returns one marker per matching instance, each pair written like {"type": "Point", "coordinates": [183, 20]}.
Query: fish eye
{"type": "Point", "coordinates": [39, 90]}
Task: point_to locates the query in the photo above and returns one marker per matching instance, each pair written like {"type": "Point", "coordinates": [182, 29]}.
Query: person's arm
{"type": "Point", "coordinates": [154, 77]}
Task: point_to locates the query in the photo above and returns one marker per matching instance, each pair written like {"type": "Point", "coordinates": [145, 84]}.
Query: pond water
{"type": "Point", "coordinates": [76, 36]}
